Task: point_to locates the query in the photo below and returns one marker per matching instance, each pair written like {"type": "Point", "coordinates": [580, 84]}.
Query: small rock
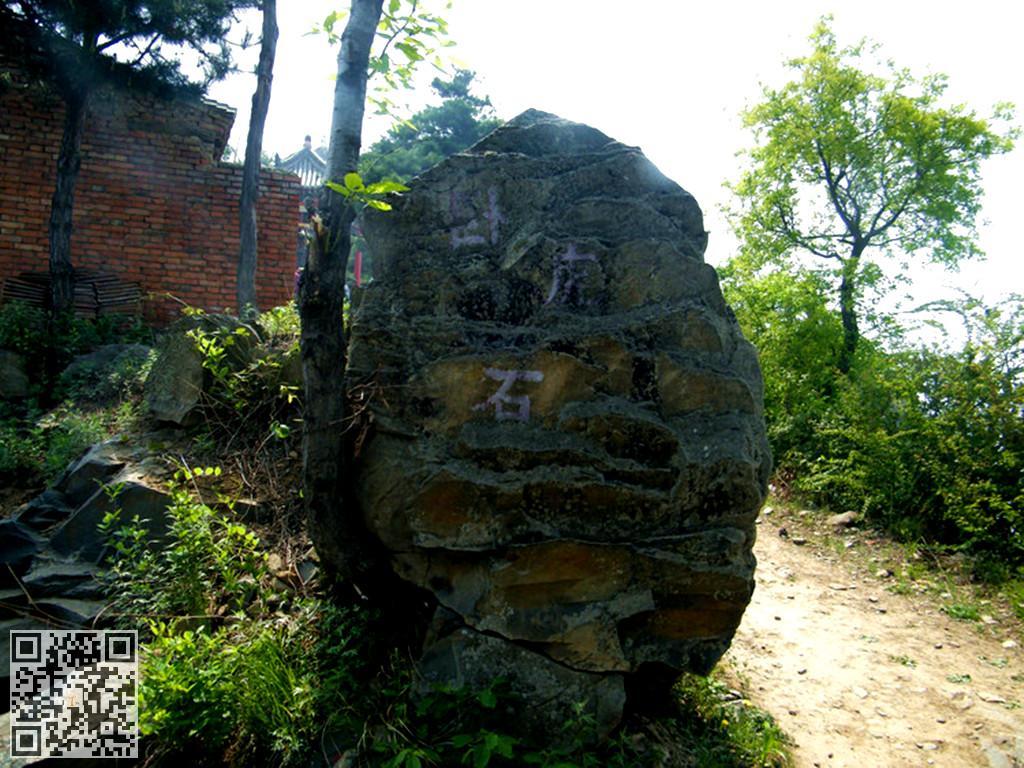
{"type": "Point", "coordinates": [992, 698]}
{"type": "Point", "coordinates": [927, 746]}
{"type": "Point", "coordinates": [859, 692]}
{"type": "Point", "coordinates": [798, 541]}
{"type": "Point", "coordinates": [837, 587]}
{"type": "Point", "coordinates": [1009, 644]}
{"type": "Point", "coordinates": [274, 562]}
{"type": "Point", "coordinates": [801, 671]}
{"type": "Point", "coordinates": [767, 511]}
{"type": "Point", "coordinates": [986, 619]}
{"type": "Point", "coordinates": [783, 532]}
{"type": "Point", "coordinates": [307, 570]}
{"type": "Point", "coordinates": [844, 520]}
{"type": "Point", "coordinates": [794, 712]}
{"type": "Point", "coordinates": [883, 573]}
{"type": "Point", "coordinates": [937, 645]}
{"type": "Point", "coordinates": [940, 720]}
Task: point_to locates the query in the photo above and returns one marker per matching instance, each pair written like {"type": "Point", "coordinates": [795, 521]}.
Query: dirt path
{"type": "Point", "coordinates": [862, 677]}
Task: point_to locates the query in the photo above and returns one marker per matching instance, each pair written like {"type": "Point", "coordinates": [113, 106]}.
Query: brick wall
{"type": "Point", "coordinates": [152, 203]}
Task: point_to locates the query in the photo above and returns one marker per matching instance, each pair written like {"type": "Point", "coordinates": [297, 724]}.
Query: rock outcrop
{"type": "Point", "coordinates": [568, 447]}
{"type": "Point", "coordinates": [52, 547]}
{"type": "Point", "coordinates": [176, 382]}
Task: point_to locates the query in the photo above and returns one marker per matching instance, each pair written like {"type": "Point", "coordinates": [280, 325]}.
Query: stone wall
{"type": "Point", "coordinates": [153, 204]}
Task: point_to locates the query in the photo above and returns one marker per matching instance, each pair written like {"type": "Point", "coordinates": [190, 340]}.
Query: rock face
{"type": "Point", "coordinates": [177, 380]}
{"type": "Point", "coordinates": [53, 545]}
{"type": "Point", "coordinates": [568, 447]}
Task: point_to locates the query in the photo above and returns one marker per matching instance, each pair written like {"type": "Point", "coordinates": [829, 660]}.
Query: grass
{"type": "Point", "coordinates": [240, 669]}
{"type": "Point", "coordinates": [728, 731]}
{"type": "Point", "coordinates": [962, 611]}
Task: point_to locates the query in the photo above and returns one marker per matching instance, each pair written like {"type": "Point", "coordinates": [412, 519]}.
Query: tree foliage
{"type": "Point", "coordinates": [924, 441]}
{"type": "Point", "coordinates": [432, 134]}
{"type": "Point", "coordinates": [856, 161]}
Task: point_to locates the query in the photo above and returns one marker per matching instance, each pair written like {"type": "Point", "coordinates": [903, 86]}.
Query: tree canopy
{"type": "Point", "coordinates": [79, 40]}
{"type": "Point", "coordinates": [856, 160]}
{"type": "Point", "coordinates": [432, 134]}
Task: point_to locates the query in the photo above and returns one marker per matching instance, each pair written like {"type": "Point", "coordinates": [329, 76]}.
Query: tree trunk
{"type": "Point", "coordinates": [69, 161]}
{"type": "Point", "coordinates": [247, 306]}
{"type": "Point", "coordinates": [333, 526]}
{"type": "Point", "coordinates": [848, 311]}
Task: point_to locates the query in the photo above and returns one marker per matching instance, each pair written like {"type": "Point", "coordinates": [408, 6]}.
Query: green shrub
{"type": "Point", "coordinates": [121, 379]}
{"type": "Point", "coordinates": [280, 325]}
{"type": "Point", "coordinates": [927, 443]}
{"type": "Point", "coordinates": [21, 450]}
{"type": "Point", "coordinates": [211, 563]}
{"type": "Point", "coordinates": [246, 396]}
{"type": "Point", "coordinates": [22, 328]}
{"type": "Point", "coordinates": [25, 329]}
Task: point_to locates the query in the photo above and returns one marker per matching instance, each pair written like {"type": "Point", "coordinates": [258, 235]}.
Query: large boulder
{"type": "Point", "coordinates": [568, 448]}
{"type": "Point", "coordinates": [177, 381]}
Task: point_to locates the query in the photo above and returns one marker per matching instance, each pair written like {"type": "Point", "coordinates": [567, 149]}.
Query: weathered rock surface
{"type": "Point", "coordinates": [177, 380]}
{"type": "Point", "coordinates": [569, 447]}
{"type": "Point", "coordinates": [53, 545]}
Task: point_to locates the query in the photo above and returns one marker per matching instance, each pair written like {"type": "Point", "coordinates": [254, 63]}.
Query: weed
{"type": "Point", "coordinates": [1000, 663]}
{"type": "Point", "coordinates": [249, 390]}
{"type": "Point", "coordinates": [728, 733]}
{"type": "Point", "coordinates": [961, 612]}
{"type": "Point", "coordinates": [281, 324]}
{"type": "Point", "coordinates": [906, 661]}
{"type": "Point", "coordinates": [211, 567]}
{"type": "Point", "coordinates": [959, 679]}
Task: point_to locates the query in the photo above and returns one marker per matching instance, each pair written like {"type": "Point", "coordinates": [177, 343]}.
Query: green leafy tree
{"type": "Point", "coordinates": [852, 167]}
{"type": "Point", "coordinates": [434, 133]}
{"type": "Point", "coordinates": [71, 45]}
{"type": "Point", "coordinates": [784, 313]}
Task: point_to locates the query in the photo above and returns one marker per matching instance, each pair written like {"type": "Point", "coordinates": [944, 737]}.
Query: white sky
{"type": "Point", "coordinates": [672, 77]}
